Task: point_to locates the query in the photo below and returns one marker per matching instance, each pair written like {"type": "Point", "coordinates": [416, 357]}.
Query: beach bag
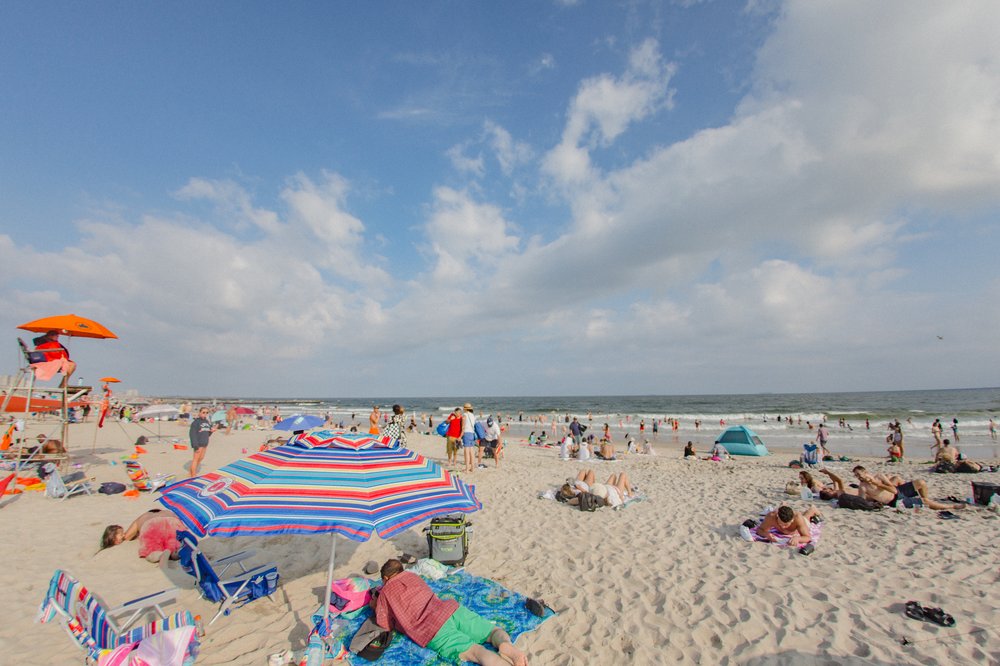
{"type": "Point", "coordinates": [111, 488]}
{"type": "Point", "coordinates": [944, 467]}
{"type": "Point", "coordinates": [857, 503]}
{"type": "Point", "coordinates": [442, 428]}
{"type": "Point", "coordinates": [371, 640]}
{"type": "Point", "coordinates": [480, 430]}
{"type": "Point", "coordinates": [589, 502]}
{"type": "Point", "coordinates": [349, 594]}
{"type": "Point", "coordinates": [792, 488]}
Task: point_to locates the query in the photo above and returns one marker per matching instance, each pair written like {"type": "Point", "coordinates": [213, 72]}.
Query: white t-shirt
{"type": "Point", "coordinates": [584, 452]}
{"type": "Point", "coordinates": [468, 422]}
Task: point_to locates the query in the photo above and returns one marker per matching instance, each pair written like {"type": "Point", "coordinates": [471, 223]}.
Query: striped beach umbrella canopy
{"type": "Point", "coordinates": [349, 484]}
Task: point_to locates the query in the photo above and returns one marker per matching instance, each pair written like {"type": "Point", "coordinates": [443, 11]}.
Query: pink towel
{"type": "Point", "coordinates": [49, 369]}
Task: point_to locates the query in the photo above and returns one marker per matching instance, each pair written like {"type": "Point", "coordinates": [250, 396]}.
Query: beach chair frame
{"type": "Point", "coordinates": [209, 575]}
{"type": "Point", "coordinates": [93, 627]}
{"type": "Point", "coordinates": [61, 488]}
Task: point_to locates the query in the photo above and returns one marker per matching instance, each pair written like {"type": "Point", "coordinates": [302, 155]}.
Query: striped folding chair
{"type": "Point", "coordinates": [141, 480]}
{"type": "Point", "coordinates": [95, 628]}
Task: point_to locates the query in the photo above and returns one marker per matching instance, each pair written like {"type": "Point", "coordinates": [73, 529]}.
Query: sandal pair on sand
{"type": "Point", "coordinates": [935, 615]}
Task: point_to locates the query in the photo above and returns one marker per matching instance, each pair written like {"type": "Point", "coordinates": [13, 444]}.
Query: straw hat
{"type": "Point", "coordinates": [467, 407]}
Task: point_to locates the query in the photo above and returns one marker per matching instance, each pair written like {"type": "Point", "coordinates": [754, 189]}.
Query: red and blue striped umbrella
{"type": "Point", "coordinates": [350, 484]}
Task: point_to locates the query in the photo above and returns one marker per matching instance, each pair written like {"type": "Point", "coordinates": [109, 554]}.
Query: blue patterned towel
{"type": "Point", "coordinates": [486, 597]}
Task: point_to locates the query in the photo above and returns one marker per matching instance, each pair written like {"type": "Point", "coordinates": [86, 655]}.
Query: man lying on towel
{"type": "Point", "coordinates": [405, 603]}
{"type": "Point", "coordinates": [787, 522]}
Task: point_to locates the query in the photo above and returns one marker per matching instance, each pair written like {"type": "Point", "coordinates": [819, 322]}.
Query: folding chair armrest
{"type": "Point", "coordinates": [142, 604]}
{"type": "Point", "coordinates": [223, 563]}
{"type": "Point", "coordinates": [248, 573]}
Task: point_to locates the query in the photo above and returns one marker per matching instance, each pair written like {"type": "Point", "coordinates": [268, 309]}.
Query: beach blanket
{"type": "Point", "coordinates": [486, 597]}
{"type": "Point", "coordinates": [815, 529]}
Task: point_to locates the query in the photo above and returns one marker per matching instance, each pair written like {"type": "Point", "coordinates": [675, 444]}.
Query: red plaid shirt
{"type": "Point", "coordinates": [408, 605]}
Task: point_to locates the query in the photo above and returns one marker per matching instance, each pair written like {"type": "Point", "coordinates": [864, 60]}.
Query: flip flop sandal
{"type": "Point", "coordinates": [948, 515]}
{"type": "Point", "coordinates": [915, 610]}
{"type": "Point", "coordinates": [938, 616]}
{"type": "Point", "coordinates": [952, 498]}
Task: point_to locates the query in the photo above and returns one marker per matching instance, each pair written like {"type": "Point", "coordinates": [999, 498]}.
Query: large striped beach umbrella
{"type": "Point", "coordinates": [349, 484]}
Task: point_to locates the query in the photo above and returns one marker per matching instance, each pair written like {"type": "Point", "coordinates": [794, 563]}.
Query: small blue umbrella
{"type": "Point", "coordinates": [219, 416]}
{"type": "Point", "coordinates": [299, 422]}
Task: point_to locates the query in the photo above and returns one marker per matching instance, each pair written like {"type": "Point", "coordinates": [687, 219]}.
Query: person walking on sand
{"type": "Point", "coordinates": [231, 416]}
{"type": "Point", "coordinates": [201, 429]}
{"type": "Point", "coordinates": [468, 436]}
{"type": "Point", "coordinates": [954, 429]}
{"type": "Point", "coordinates": [373, 428]}
{"type": "Point", "coordinates": [936, 430]}
{"type": "Point", "coordinates": [823, 436]}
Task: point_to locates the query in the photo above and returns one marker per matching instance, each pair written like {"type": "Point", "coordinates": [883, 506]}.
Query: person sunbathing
{"type": "Point", "coordinates": [946, 453]}
{"type": "Point", "coordinates": [689, 451]}
{"type": "Point", "coordinates": [788, 522]}
{"type": "Point", "coordinates": [407, 604]}
{"type": "Point", "coordinates": [155, 530]}
{"type": "Point", "coordinates": [892, 490]}
{"type": "Point", "coordinates": [607, 451]}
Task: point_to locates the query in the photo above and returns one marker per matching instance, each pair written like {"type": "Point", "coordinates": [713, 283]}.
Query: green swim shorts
{"type": "Point", "coordinates": [460, 632]}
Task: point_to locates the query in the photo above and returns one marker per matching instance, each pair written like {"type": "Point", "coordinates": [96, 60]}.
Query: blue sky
{"type": "Point", "coordinates": [455, 198]}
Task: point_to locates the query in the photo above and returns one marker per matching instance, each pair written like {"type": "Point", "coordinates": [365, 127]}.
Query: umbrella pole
{"type": "Point", "coordinates": [329, 577]}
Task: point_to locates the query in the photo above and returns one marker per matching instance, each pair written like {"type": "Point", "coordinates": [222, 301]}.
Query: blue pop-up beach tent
{"type": "Point", "coordinates": [742, 441]}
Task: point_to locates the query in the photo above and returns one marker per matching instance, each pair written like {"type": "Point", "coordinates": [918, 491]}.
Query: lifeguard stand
{"type": "Point", "coordinates": [20, 396]}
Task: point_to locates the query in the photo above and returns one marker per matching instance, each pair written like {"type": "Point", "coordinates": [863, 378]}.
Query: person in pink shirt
{"type": "Point", "coordinates": [407, 604]}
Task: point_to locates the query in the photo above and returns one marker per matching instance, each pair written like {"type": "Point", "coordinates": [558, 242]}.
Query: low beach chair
{"type": "Point", "coordinates": [810, 455]}
{"type": "Point", "coordinates": [234, 591]}
{"type": "Point", "coordinates": [142, 481]}
{"type": "Point", "coordinates": [95, 628]}
{"type": "Point", "coordinates": [60, 488]}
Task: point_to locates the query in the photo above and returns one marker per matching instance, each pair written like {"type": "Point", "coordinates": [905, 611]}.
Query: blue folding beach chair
{"type": "Point", "coordinates": [810, 455]}
{"type": "Point", "coordinates": [234, 591]}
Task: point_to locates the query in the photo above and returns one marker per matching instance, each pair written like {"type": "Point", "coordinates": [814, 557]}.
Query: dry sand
{"type": "Point", "coordinates": [664, 580]}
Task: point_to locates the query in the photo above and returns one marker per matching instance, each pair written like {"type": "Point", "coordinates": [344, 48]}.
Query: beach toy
{"type": "Point", "coordinates": [131, 494]}
{"type": "Point", "coordinates": [139, 450]}
{"type": "Point", "coordinates": [180, 447]}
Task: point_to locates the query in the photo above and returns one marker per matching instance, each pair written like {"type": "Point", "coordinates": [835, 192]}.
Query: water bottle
{"type": "Point", "coordinates": [199, 626]}
{"type": "Point", "coordinates": [994, 503]}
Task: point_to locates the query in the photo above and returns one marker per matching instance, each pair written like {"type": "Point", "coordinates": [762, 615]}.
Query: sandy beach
{"type": "Point", "coordinates": [663, 580]}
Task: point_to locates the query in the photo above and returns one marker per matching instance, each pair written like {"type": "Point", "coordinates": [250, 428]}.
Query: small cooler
{"type": "Point", "coordinates": [448, 539]}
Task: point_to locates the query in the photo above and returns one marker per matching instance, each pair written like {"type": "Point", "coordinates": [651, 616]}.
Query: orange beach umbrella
{"type": "Point", "coordinates": [111, 380]}
{"type": "Point", "coordinates": [69, 324]}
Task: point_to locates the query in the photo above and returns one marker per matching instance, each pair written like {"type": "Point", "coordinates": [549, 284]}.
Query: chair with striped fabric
{"type": "Point", "coordinates": [95, 628]}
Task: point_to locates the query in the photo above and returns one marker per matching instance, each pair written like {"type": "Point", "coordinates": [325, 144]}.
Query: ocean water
{"type": "Point", "coordinates": [766, 413]}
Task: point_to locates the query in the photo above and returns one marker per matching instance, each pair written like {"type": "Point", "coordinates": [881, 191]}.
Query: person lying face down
{"type": "Point", "coordinates": [406, 603]}
{"type": "Point", "coordinates": [788, 522]}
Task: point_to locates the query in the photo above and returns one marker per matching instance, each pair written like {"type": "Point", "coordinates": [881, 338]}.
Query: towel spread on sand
{"type": "Point", "coordinates": [486, 597]}
{"type": "Point", "coordinates": [782, 539]}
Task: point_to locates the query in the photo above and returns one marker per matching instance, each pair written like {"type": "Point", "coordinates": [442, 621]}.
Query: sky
{"type": "Point", "coordinates": [520, 198]}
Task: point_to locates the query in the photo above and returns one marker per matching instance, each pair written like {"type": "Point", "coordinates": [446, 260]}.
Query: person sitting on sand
{"type": "Point", "coordinates": [892, 490]}
{"type": "Point", "coordinates": [407, 604]}
{"type": "Point", "coordinates": [946, 453]}
{"type": "Point", "coordinates": [647, 448]}
{"type": "Point", "coordinates": [788, 522]}
{"type": "Point", "coordinates": [155, 530]}
{"type": "Point", "coordinates": [719, 452]}
{"type": "Point", "coordinates": [895, 453]}
{"type": "Point", "coordinates": [689, 453]}
{"type": "Point", "coordinates": [607, 451]}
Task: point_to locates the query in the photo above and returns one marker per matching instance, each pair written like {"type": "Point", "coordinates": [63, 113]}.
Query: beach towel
{"type": "Point", "coordinates": [782, 539]}
{"type": "Point", "coordinates": [486, 597]}
{"type": "Point", "coordinates": [168, 648]}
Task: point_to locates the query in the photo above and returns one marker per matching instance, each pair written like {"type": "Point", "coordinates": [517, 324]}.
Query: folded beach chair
{"type": "Point", "coordinates": [95, 628]}
{"type": "Point", "coordinates": [141, 480]}
{"type": "Point", "coordinates": [230, 592]}
{"type": "Point", "coordinates": [59, 488]}
{"type": "Point", "coordinates": [810, 455]}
